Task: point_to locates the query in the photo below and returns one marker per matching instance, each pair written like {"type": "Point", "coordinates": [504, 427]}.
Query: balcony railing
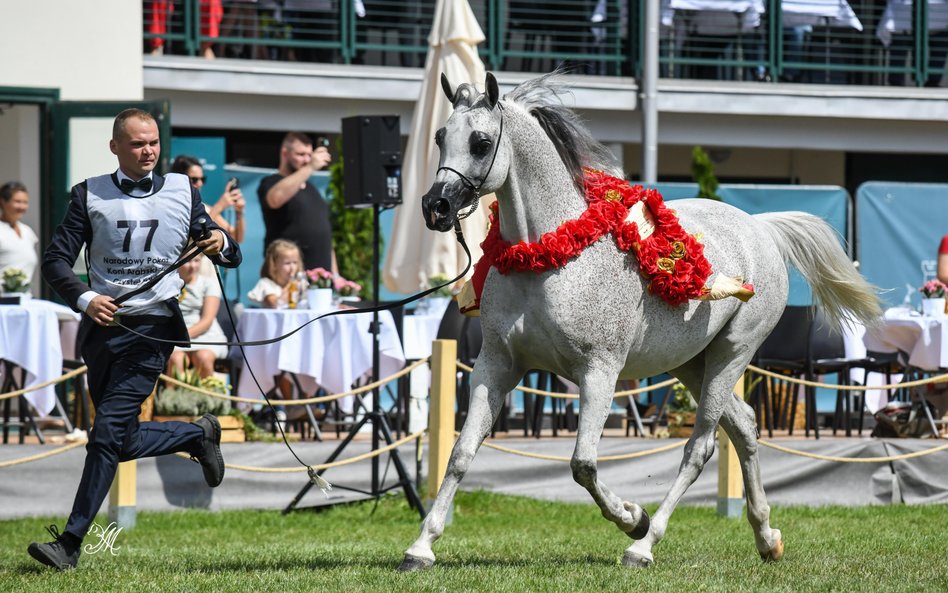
{"type": "Point", "coordinates": [876, 42]}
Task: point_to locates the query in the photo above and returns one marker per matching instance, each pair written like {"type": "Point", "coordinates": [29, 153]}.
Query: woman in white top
{"type": "Point", "coordinates": [17, 241]}
{"type": "Point", "coordinates": [199, 301]}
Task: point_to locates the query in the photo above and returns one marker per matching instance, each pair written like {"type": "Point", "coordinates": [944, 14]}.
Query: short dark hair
{"type": "Point", "coordinates": [183, 163]}
{"type": "Point", "coordinates": [118, 126]}
{"type": "Point", "coordinates": [300, 137]}
{"type": "Point", "coordinates": [9, 188]}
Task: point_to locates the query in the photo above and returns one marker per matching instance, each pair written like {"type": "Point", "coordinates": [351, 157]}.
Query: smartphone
{"type": "Point", "coordinates": [234, 183]}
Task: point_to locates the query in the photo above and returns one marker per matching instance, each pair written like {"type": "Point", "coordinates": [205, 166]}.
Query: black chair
{"type": "Point", "coordinates": [826, 356]}
{"type": "Point", "coordinates": [785, 351]}
{"type": "Point", "coordinates": [884, 363]}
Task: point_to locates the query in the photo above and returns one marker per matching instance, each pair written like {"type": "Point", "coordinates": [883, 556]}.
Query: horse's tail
{"type": "Point", "coordinates": [812, 246]}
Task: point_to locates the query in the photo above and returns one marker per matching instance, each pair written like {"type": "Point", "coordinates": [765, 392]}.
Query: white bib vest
{"type": "Point", "coordinates": [135, 239]}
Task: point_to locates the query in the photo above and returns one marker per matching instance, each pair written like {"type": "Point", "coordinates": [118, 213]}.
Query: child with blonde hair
{"type": "Point", "coordinates": [281, 281]}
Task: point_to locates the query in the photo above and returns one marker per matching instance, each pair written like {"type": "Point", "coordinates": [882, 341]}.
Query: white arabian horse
{"type": "Point", "coordinates": [594, 321]}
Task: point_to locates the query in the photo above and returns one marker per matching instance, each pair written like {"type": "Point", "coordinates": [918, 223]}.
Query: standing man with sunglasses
{"type": "Point", "coordinates": [134, 224]}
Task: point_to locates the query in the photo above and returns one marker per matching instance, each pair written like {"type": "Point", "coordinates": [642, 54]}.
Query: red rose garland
{"type": "Point", "coordinates": [670, 258]}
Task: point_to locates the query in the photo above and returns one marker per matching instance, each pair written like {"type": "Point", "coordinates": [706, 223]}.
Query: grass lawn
{"type": "Point", "coordinates": [496, 543]}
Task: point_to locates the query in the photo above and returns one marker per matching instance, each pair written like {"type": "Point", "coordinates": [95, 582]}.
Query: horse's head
{"type": "Point", "coordinates": [471, 162]}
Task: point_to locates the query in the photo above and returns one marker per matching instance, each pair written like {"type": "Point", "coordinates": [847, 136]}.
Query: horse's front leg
{"type": "Point", "coordinates": [490, 387]}
{"type": "Point", "coordinates": [596, 392]}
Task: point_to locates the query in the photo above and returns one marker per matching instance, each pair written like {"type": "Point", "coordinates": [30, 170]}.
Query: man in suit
{"type": "Point", "coordinates": [135, 224]}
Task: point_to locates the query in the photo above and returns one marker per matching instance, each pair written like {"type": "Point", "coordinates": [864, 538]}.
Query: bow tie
{"type": "Point", "coordinates": [143, 184]}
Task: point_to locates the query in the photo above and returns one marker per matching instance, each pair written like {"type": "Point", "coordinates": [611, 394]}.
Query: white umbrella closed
{"type": "Point", "coordinates": [415, 253]}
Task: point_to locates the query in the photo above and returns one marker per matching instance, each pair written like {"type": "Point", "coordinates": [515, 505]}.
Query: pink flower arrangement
{"type": "Point", "coordinates": [345, 287]}
{"type": "Point", "coordinates": [933, 289]}
{"type": "Point", "coordinates": [320, 277]}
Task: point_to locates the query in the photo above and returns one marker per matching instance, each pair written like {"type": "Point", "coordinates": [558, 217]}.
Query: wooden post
{"type": "Point", "coordinates": [122, 495]}
{"type": "Point", "coordinates": [730, 486]}
{"type": "Point", "coordinates": [441, 423]}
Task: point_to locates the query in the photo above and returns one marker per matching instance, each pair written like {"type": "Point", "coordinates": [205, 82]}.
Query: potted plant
{"type": "Point", "coordinates": [319, 293]}
{"type": "Point", "coordinates": [933, 298]}
{"type": "Point", "coordinates": [346, 289]}
{"type": "Point", "coordinates": [681, 412]}
{"type": "Point", "coordinates": [439, 299]}
{"type": "Point", "coordinates": [15, 283]}
{"type": "Point", "coordinates": [182, 403]}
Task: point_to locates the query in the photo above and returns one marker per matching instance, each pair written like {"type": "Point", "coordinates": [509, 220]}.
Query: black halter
{"type": "Point", "coordinates": [470, 184]}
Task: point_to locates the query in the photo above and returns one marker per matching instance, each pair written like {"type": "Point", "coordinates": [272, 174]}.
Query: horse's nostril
{"type": "Point", "coordinates": [442, 207]}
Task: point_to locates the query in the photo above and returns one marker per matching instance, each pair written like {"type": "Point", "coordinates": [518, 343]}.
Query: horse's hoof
{"type": "Point", "coordinates": [773, 554]}
{"type": "Point", "coordinates": [636, 560]}
{"type": "Point", "coordinates": [641, 528]}
{"type": "Point", "coordinates": [414, 563]}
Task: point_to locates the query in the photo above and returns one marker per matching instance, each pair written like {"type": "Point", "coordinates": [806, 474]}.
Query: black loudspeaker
{"type": "Point", "coordinates": [372, 160]}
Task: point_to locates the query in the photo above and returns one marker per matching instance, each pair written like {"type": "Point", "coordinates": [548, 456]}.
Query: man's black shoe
{"type": "Point", "coordinates": [62, 553]}
{"type": "Point", "coordinates": [208, 450]}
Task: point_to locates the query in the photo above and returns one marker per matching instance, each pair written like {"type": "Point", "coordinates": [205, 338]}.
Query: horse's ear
{"type": "Point", "coordinates": [493, 93]}
{"type": "Point", "coordinates": [446, 87]}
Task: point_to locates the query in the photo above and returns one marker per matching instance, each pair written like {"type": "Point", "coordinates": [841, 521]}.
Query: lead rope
{"type": "Point", "coordinates": [314, 475]}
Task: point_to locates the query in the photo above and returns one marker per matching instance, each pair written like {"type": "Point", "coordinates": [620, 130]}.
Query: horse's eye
{"type": "Point", "coordinates": [481, 147]}
{"type": "Point", "coordinates": [439, 136]}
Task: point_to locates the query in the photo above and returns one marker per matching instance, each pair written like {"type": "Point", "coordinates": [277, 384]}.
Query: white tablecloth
{"type": "Point", "coordinates": [418, 331]}
{"type": "Point", "coordinates": [29, 338]}
{"type": "Point", "coordinates": [716, 17]}
{"type": "Point", "coordinates": [924, 339]}
{"type": "Point", "coordinates": [835, 13]}
{"type": "Point", "coordinates": [898, 18]}
{"type": "Point", "coordinates": [332, 353]}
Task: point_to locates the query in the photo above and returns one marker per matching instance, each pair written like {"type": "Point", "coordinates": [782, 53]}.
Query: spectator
{"type": "Point", "coordinates": [17, 241]}
{"type": "Point", "coordinates": [162, 11]}
{"type": "Point", "coordinates": [312, 21]}
{"type": "Point", "coordinates": [199, 301]}
{"type": "Point", "coordinates": [243, 20]}
{"type": "Point", "coordinates": [943, 260]}
{"type": "Point", "coordinates": [293, 208]}
{"type": "Point", "coordinates": [281, 282]}
{"type": "Point", "coordinates": [134, 224]}
{"type": "Point", "coordinates": [231, 198]}
{"type": "Point", "coordinates": [281, 286]}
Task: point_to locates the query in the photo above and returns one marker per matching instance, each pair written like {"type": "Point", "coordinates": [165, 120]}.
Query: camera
{"type": "Point", "coordinates": [234, 183]}
{"type": "Point", "coordinates": [322, 141]}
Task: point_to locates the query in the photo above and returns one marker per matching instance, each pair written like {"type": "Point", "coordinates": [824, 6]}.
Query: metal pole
{"type": "Point", "coordinates": [649, 95]}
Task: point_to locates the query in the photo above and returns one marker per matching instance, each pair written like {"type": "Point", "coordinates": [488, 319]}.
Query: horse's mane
{"type": "Point", "coordinates": [573, 141]}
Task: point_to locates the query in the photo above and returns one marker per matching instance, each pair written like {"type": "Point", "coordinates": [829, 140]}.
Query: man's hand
{"type": "Point", "coordinates": [102, 309]}
{"type": "Point", "coordinates": [213, 244]}
{"type": "Point", "coordinates": [321, 158]}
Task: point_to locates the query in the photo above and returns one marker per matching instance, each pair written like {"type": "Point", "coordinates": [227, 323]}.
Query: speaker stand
{"type": "Point", "coordinates": [375, 415]}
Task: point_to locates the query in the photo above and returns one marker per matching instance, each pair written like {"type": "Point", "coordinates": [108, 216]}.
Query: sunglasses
{"type": "Point", "coordinates": [197, 179]}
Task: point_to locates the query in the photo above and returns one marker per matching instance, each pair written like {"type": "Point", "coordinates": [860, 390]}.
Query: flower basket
{"type": "Point", "coordinates": [681, 424]}
{"type": "Point", "coordinates": [177, 402]}
{"type": "Point", "coordinates": [14, 282]}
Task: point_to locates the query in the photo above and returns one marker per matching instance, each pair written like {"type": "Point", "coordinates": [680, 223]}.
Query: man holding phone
{"type": "Point", "coordinates": [293, 208]}
{"type": "Point", "coordinates": [231, 198]}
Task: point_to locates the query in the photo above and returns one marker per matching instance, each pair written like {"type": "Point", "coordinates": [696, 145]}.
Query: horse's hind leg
{"type": "Point", "coordinates": [596, 390]}
{"type": "Point", "coordinates": [713, 375]}
{"type": "Point", "coordinates": [738, 421]}
{"type": "Point", "coordinates": [487, 397]}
